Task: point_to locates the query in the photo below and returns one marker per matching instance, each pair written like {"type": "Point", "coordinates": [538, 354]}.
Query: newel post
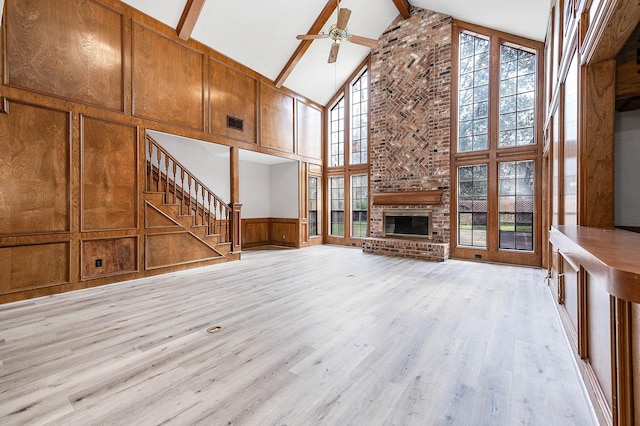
{"type": "Point", "coordinates": [236, 226]}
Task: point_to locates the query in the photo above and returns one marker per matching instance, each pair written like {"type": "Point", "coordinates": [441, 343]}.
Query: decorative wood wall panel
{"type": "Point", "coordinates": [66, 48]}
{"type": "Point", "coordinates": [599, 335]}
{"type": "Point", "coordinates": [309, 131]}
{"type": "Point", "coordinates": [153, 218]}
{"type": "Point", "coordinates": [109, 175]}
{"type": "Point", "coordinates": [34, 170]}
{"type": "Point", "coordinates": [175, 248]}
{"type": "Point", "coordinates": [284, 232]}
{"type": "Point", "coordinates": [635, 358]}
{"type": "Point", "coordinates": [115, 256]}
{"type": "Point", "coordinates": [168, 79]}
{"type": "Point", "coordinates": [255, 232]}
{"type": "Point", "coordinates": [232, 93]}
{"type": "Point", "coordinates": [276, 119]}
{"type": "Point", "coordinates": [33, 266]}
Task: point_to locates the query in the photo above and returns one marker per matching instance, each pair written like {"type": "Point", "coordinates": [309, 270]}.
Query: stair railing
{"type": "Point", "coordinates": [167, 175]}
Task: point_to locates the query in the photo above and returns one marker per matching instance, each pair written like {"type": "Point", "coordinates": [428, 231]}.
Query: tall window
{"type": "Point", "coordinates": [348, 161]}
{"type": "Point", "coordinates": [337, 205]}
{"type": "Point", "coordinates": [313, 205]}
{"type": "Point", "coordinates": [359, 119]}
{"type": "Point", "coordinates": [497, 148]}
{"type": "Point", "coordinates": [359, 205]}
{"type": "Point", "coordinates": [515, 200]}
{"type": "Point", "coordinates": [472, 205]}
{"type": "Point", "coordinates": [337, 134]}
{"type": "Point", "coordinates": [517, 97]}
{"type": "Point", "coordinates": [473, 105]}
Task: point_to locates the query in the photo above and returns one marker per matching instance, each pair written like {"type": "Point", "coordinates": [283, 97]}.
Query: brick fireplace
{"type": "Point", "coordinates": [410, 133]}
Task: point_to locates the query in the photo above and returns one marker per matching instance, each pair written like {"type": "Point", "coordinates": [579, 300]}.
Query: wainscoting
{"type": "Point", "coordinates": [267, 231]}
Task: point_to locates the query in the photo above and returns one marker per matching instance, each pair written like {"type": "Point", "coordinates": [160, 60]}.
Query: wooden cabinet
{"type": "Point", "coordinates": [595, 279]}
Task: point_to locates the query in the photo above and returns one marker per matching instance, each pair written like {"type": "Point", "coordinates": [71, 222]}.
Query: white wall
{"type": "Point", "coordinates": [207, 161]}
{"type": "Point", "coordinates": [627, 173]}
{"type": "Point", "coordinates": [255, 190]}
{"type": "Point", "coordinates": [284, 190]}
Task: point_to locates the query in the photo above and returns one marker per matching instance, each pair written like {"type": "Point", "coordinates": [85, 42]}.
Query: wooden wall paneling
{"type": "Point", "coordinates": [256, 232]}
{"type": "Point", "coordinates": [597, 145]}
{"type": "Point", "coordinates": [232, 93]}
{"type": "Point", "coordinates": [109, 175]}
{"type": "Point", "coordinates": [175, 248]}
{"type": "Point", "coordinates": [623, 379]}
{"type": "Point", "coordinates": [109, 256]}
{"type": "Point", "coordinates": [276, 117]}
{"type": "Point", "coordinates": [154, 218]}
{"type": "Point", "coordinates": [32, 266]}
{"type": "Point", "coordinates": [599, 320]}
{"type": "Point", "coordinates": [167, 79]}
{"type": "Point", "coordinates": [309, 131]}
{"type": "Point", "coordinates": [570, 275]}
{"type": "Point", "coordinates": [285, 232]}
{"type": "Point", "coordinates": [35, 172]}
{"type": "Point", "coordinates": [635, 360]}
{"type": "Point", "coordinates": [612, 25]}
{"type": "Point", "coordinates": [628, 73]}
{"type": "Point", "coordinates": [71, 49]}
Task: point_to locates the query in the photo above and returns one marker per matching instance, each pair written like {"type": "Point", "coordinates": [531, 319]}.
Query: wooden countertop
{"type": "Point", "coordinates": [613, 255]}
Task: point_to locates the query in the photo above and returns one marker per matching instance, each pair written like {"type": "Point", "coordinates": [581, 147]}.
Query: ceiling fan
{"type": "Point", "coordinates": [338, 33]}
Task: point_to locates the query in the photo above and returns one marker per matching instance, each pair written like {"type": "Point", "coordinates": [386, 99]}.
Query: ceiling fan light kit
{"type": "Point", "coordinates": [338, 32]}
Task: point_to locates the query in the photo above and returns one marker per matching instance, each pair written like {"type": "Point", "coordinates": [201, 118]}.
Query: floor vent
{"type": "Point", "coordinates": [235, 123]}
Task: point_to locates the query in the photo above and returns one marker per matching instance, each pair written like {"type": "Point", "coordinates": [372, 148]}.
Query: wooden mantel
{"type": "Point", "coordinates": [408, 198]}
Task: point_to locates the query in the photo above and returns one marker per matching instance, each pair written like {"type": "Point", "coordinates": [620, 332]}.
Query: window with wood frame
{"type": "Point", "coordinates": [348, 161]}
{"type": "Point", "coordinates": [313, 205]}
{"type": "Point", "coordinates": [496, 135]}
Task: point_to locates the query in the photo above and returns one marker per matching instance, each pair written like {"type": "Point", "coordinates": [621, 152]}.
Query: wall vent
{"type": "Point", "coordinates": [235, 123]}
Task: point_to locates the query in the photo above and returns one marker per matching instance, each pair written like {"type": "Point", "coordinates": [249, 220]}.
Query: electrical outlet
{"type": "Point", "coordinates": [98, 263]}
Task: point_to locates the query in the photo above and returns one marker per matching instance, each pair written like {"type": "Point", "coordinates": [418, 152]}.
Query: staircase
{"type": "Point", "coordinates": [185, 222]}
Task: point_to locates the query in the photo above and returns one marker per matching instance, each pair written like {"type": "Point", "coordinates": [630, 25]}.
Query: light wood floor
{"type": "Point", "coordinates": [320, 336]}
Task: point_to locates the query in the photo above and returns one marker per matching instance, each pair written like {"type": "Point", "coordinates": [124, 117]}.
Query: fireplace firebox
{"type": "Point", "coordinates": [407, 223]}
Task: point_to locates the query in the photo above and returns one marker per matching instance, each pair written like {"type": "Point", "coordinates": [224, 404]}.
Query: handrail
{"type": "Point", "coordinates": [177, 182]}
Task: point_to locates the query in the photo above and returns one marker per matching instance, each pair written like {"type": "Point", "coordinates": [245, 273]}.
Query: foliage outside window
{"type": "Point", "coordinates": [515, 198]}
{"type": "Point", "coordinates": [497, 144]}
{"type": "Point", "coordinates": [473, 94]}
{"type": "Point", "coordinates": [359, 119]}
{"type": "Point", "coordinates": [337, 134]}
{"type": "Point", "coordinates": [359, 205]}
{"type": "Point", "coordinates": [517, 97]}
{"type": "Point", "coordinates": [336, 189]}
{"type": "Point", "coordinates": [313, 206]}
{"type": "Point", "coordinates": [472, 205]}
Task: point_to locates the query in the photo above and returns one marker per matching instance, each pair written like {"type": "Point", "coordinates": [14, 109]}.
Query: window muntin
{"type": "Point", "coordinates": [313, 206]}
{"type": "Point", "coordinates": [516, 205]}
{"type": "Point", "coordinates": [473, 93]}
{"type": "Point", "coordinates": [472, 205]}
{"type": "Point", "coordinates": [336, 188]}
{"type": "Point", "coordinates": [517, 97]}
{"type": "Point", "coordinates": [359, 119]}
{"type": "Point", "coordinates": [337, 134]}
{"type": "Point", "coordinates": [359, 205]}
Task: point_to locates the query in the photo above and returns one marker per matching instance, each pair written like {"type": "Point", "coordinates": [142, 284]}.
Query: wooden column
{"type": "Point", "coordinates": [236, 206]}
{"type": "Point", "coordinates": [597, 145]}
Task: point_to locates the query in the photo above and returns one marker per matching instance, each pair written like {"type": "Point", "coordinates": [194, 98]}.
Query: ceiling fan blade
{"type": "Point", "coordinates": [311, 36]}
{"type": "Point", "coordinates": [333, 54]}
{"type": "Point", "coordinates": [364, 41]}
{"type": "Point", "coordinates": [343, 18]}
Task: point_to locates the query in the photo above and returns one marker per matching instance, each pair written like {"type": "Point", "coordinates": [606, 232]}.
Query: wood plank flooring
{"type": "Point", "coordinates": [319, 336]}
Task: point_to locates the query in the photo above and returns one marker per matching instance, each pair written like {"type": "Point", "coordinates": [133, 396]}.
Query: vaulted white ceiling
{"type": "Point", "coordinates": [261, 34]}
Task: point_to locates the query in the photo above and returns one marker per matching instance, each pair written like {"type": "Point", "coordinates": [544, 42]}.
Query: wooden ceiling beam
{"type": "Point", "coordinates": [404, 7]}
{"type": "Point", "coordinates": [305, 44]}
{"type": "Point", "coordinates": [189, 18]}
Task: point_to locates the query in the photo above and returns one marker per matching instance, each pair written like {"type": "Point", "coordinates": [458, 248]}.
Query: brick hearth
{"type": "Point", "coordinates": [410, 127]}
